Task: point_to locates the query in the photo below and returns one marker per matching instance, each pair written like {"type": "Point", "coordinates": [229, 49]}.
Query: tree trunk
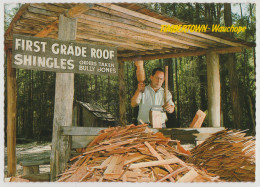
{"type": "Point", "coordinates": [96, 88]}
{"type": "Point", "coordinates": [203, 84]}
{"type": "Point", "coordinates": [177, 90]}
{"type": "Point", "coordinates": [108, 93]}
{"type": "Point", "coordinates": [122, 94]}
{"type": "Point", "coordinates": [171, 117]}
{"type": "Point", "coordinates": [231, 61]}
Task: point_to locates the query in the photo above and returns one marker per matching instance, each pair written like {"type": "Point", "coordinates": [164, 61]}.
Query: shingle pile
{"type": "Point", "coordinates": [229, 154]}
{"type": "Point", "coordinates": [132, 154]}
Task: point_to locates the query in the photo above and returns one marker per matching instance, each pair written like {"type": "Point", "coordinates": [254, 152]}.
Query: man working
{"type": "Point", "coordinates": [152, 96]}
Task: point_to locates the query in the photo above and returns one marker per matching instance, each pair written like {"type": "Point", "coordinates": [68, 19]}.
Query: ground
{"type": "Point", "coordinates": [32, 152]}
{"type": "Point", "coordinates": [37, 151]}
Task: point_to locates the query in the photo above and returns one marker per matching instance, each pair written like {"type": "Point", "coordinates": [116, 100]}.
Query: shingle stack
{"type": "Point", "coordinates": [132, 154]}
{"type": "Point", "coordinates": [229, 154]}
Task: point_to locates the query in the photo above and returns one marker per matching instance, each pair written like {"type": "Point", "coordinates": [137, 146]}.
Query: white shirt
{"type": "Point", "coordinates": [151, 99]}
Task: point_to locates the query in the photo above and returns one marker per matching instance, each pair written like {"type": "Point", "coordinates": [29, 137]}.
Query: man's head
{"type": "Point", "coordinates": [157, 78]}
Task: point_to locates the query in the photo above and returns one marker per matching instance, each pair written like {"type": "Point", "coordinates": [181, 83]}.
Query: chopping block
{"type": "Point", "coordinates": [155, 116]}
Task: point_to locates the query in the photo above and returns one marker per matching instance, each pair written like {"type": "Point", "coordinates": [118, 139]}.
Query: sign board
{"type": "Point", "coordinates": [46, 54]}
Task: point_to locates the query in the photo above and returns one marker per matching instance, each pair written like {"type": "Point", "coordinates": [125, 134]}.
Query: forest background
{"type": "Point", "coordinates": [187, 78]}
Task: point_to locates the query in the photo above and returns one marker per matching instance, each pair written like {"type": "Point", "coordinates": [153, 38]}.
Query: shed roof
{"type": "Point", "coordinates": [132, 28]}
{"type": "Point", "coordinates": [97, 111]}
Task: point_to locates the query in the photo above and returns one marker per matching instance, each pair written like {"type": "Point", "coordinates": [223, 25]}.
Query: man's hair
{"type": "Point", "coordinates": [156, 69]}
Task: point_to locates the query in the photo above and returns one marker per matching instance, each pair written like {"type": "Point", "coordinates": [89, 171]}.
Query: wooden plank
{"type": "Point", "coordinates": [153, 163]}
{"type": "Point", "coordinates": [104, 164]}
{"type": "Point", "coordinates": [115, 42]}
{"type": "Point", "coordinates": [50, 7]}
{"type": "Point", "coordinates": [106, 147]}
{"type": "Point", "coordinates": [34, 163]}
{"type": "Point", "coordinates": [42, 11]}
{"type": "Point", "coordinates": [182, 54]}
{"type": "Point", "coordinates": [41, 177]}
{"type": "Point", "coordinates": [79, 174]}
{"type": "Point", "coordinates": [11, 116]}
{"type": "Point", "coordinates": [64, 92]}
{"type": "Point", "coordinates": [188, 177]}
{"type": "Point", "coordinates": [151, 149]}
{"type": "Point", "coordinates": [173, 173]}
{"type": "Point", "coordinates": [80, 131]}
{"type": "Point", "coordinates": [198, 119]}
{"type": "Point", "coordinates": [115, 167]}
{"type": "Point", "coordinates": [166, 153]}
{"type": "Point", "coordinates": [81, 141]}
{"type": "Point", "coordinates": [133, 158]}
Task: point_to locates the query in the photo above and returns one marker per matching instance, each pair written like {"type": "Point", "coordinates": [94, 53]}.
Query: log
{"type": "Point", "coordinates": [213, 78]}
{"type": "Point", "coordinates": [64, 92]}
{"type": "Point", "coordinates": [11, 116]}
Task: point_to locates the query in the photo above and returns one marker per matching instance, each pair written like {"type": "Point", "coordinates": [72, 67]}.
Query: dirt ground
{"type": "Point", "coordinates": [30, 152]}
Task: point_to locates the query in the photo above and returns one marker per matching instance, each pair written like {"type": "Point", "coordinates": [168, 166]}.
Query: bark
{"type": "Point", "coordinates": [177, 90]}
{"type": "Point", "coordinates": [171, 117]}
{"type": "Point", "coordinates": [231, 61]}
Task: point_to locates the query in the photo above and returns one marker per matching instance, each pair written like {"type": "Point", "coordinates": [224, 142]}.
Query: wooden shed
{"type": "Point", "coordinates": [92, 115]}
{"type": "Point", "coordinates": [136, 33]}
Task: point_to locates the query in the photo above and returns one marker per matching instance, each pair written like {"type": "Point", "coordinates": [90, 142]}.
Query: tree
{"type": "Point", "coordinates": [231, 61]}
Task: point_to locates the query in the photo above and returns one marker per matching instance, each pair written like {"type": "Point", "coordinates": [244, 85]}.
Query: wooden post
{"type": "Point", "coordinates": [11, 116]}
{"type": "Point", "coordinates": [122, 95]}
{"type": "Point", "coordinates": [213, 77]}
{"type": "Point", "coordinates": [64, 93]}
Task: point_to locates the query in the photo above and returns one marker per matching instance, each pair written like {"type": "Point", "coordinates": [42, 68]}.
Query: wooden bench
{"type": "Point", "coordinates": [32, 167]}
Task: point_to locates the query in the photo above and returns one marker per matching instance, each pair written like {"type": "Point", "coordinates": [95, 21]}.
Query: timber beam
{"type": "Point", "coordinates": [184, 54]}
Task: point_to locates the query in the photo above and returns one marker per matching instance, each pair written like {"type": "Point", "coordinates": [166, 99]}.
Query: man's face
{"type": "Point", "coordinates": [157, 79]}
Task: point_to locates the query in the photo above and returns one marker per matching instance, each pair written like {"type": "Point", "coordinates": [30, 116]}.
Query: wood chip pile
{"type": "Point", "coordinates": [132, 154]}
{"type": "Point", "coordinates": [229, 154]}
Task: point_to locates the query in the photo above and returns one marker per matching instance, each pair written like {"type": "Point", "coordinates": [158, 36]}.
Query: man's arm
{"type": "Point", "coordinates": [169, 106]}
{"type": "Point", "coordinates": [137, 96]}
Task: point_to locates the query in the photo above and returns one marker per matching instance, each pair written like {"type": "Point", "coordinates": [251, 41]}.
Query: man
{"type": "Point", "coordinates": [152, 96]}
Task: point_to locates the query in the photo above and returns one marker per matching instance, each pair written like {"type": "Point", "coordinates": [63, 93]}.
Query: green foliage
{"type": "Point", "coordinates": [9, 12]}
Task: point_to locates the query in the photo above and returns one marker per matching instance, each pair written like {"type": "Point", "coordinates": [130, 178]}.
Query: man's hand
{"type": "Point", "coordinates": [169, 108]}
{"type": "Point", "coordinates": [141, 87]}
{"type": "Point", "coordinates": [135, 100]}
